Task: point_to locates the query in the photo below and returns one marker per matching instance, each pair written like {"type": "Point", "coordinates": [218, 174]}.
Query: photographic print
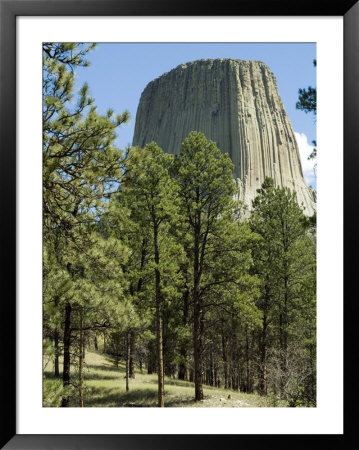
{"type": "Point", "coordinates": [179, 225]}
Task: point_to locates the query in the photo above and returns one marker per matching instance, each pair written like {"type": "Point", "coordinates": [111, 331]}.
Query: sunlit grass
{"type": "Point", "coordinates": [105, 386]}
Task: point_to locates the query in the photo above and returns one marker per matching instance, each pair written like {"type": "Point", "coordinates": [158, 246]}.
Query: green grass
{"type": "Point", "coordinates": [104, 386]}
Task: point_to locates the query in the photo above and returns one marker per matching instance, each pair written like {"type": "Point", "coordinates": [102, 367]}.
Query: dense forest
{"type": "Point", "coordinates": [148, 258]}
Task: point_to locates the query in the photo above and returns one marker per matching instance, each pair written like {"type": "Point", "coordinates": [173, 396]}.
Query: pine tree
{"type": "Point", "coordinates": [285, 263]}
{"type": "Point", "coordinates": [307, 102]}
{"type": "Point", "coordinates": [216, 244]}
{"type": "Point", "coordinates": [80, 163]}
{"type": "Point", "coordinates": [151, 195]}
{"type": "Point", "coordinates": [80, 168]}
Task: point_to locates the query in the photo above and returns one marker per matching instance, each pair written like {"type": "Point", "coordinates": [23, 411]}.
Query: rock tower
{"type": "Point", "coordinates": [236, 104]}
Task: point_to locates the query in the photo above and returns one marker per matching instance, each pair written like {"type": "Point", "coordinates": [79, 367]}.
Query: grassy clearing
{"type": "Point", "coordinates": [105, 387]}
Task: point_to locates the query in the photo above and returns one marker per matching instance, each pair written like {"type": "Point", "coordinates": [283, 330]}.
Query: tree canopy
{"type": "Point", "coordinates": [148, 259]}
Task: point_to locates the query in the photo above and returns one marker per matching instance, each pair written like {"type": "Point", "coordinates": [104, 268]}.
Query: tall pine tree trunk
{"type": "Point", "coordinates": [213, 370]}
{"type": "Point", "coordinates": [225, 359]}
{"type": "Point", "coordinates": [283, 321]}
{"type": "Point", "coordinates": [249, 384]}
{"type": "Point", "coordinates": [159, 327]}
{"type": "Point", "coordinates": [263, 344]}
{"type": "Point", "coordinates": [95, 343]}
{"type": "Point", "coordinates": [263, 358]}
{"type": "Point", "coordinates": [312, 378]}
{"type": "Point", "coordinates": [67, 357]}
{"type": "Point", "coordinates": [128, 358]}
{"type": "Point", "coordinates": [132, 352]}
{"type": "Point", "coordinates": [56, 345]}
{"type": "Point", "coordinates": [197, 341]}
{"type": "Point", "coordinates": [67, 345]}
{"type": "Point", "coordinates": [182, 370]}
{"type": "Point", "coordinates": [197, 320]}
{"type": "Point", "coordinates": [197, 338]}
{"type": "Point", "coordinates": [57, 354]}
{"type": "Point", "coordinates": [81, 358]}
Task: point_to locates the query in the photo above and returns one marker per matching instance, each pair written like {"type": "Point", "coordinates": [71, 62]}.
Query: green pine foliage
{"type": "Point", "coordinates": [148, 259]}
{"type": "Point", "coordinates": [80, 163]}
{"type": "Point", "coordinates": [307, 102]}
{"type": "Point", "coordinates": [218, 247]}
{"type": "Point", "coordinates": [285, 263]}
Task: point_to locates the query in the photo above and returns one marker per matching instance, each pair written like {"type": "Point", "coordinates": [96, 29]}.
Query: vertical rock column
{"type": "Point", "coordinates": [236, 104]}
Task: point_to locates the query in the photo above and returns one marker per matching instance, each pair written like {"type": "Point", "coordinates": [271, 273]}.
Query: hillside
{"type": "Point", "coordinates": [105, 387]}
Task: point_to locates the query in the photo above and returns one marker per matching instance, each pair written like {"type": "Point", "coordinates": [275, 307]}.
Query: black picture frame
{"type": "Point", "coordinates": [9, 10]}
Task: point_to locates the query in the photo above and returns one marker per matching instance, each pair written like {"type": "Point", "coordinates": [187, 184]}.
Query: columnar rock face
{"type": "Point", "coordinates": [236, 104]}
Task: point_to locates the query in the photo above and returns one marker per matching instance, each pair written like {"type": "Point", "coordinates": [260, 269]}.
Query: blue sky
{"type": "Point", "coordinates": [119, 73]}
